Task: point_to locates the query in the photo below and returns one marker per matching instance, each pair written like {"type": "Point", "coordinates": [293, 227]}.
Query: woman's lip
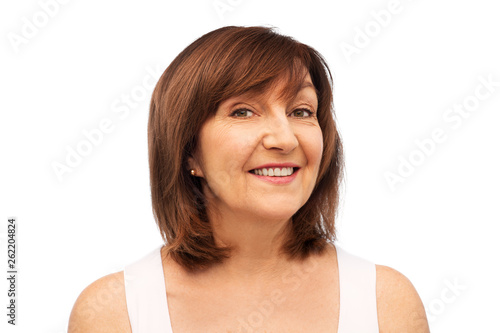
{"type": "Point", "coordinates": [277, 180]}
{"type": "Point", "coordinates": [277, 165]}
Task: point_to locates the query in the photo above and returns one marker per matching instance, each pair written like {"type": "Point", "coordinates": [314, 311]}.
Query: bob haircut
{"type": "Point", "coordinates": [224, 63]}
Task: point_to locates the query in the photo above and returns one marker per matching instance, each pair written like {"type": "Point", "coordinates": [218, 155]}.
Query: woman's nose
{"type": "Point", "coordinates": [279, 134]}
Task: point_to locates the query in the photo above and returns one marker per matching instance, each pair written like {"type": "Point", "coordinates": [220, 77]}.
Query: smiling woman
{"type": "Point", "coordinates": [245, 165]}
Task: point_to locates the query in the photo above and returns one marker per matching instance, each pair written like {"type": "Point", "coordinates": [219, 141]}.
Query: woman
{"type": "Point", "coordinates": [245, 165]}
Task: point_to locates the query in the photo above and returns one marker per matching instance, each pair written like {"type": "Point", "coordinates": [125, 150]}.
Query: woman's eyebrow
{"type": "Point", "coordinates": [238, 101]}
{"type": "Point", "coordinates": [307, 84]}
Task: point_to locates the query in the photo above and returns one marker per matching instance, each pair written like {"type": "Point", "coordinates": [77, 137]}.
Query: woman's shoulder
{"type": "Point", "coordinates": [399, 306]}
{"type": "Point", "coordinates": [101, 307]}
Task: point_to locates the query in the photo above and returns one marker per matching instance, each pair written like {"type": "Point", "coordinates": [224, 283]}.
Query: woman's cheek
{"type": "Point", "coordinates": [319, 148]}
{"type": "Point", "coordinates": [312, 144]}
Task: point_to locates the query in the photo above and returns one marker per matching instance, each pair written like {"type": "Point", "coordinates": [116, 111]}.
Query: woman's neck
{"type": "Point", "coordinates": [257, 245]}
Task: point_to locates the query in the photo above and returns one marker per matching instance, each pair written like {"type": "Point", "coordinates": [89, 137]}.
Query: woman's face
{"type": "Point", "coordinates": [262, 135]}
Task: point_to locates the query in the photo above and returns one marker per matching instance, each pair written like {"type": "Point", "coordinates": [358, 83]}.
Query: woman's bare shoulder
{"type": "Point", "coordinates": [399, 306]}
{"type": "Point", "coordinates": [101, 307]}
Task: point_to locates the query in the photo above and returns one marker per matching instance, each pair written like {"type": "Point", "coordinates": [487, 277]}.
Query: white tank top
{"type": "Point", "coordinates": [148, 308]}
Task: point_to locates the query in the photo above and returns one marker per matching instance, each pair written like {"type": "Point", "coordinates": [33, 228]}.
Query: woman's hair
{"type": "Point", "coordinates": [224, 63]}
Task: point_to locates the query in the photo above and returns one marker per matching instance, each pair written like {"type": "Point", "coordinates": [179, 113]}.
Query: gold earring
{"type": "Point", "coordinates": [193, 172]}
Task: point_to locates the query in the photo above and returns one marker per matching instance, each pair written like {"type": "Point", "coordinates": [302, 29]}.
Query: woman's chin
{"type": "Point", "coordinates": [276, 214]}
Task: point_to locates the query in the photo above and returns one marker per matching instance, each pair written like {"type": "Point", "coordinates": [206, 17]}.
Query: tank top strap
{"type": "Point", "coordinates": [358, 295]}
{"type": "Point", "coordinates": [146, 295]}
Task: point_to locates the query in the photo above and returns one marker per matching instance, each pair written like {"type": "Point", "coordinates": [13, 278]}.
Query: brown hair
{"type": "Point", "coordinates": [221, 64]}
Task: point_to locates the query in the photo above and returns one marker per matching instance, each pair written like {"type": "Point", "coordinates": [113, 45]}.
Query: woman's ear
{"type": "Point", "coordinates": [194, 167]}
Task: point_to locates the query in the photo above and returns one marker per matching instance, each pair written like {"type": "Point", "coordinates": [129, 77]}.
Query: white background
{"type": "Point", "coordinates": [439, 226]}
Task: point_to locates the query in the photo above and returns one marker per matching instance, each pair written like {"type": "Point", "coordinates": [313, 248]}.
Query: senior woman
{"type": "Point", "coordinates": [245, 166]}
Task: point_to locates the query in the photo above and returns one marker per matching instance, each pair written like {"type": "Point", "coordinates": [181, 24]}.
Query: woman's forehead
{"type": "Point", "coordinates": [281, 88]}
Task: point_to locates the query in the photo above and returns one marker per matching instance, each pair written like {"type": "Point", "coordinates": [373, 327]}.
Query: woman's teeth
{"type": "Point", "coordinates": [273, 172]}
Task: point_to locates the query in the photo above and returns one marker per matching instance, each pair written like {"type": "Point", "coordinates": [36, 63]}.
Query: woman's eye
{"type": "Point", "coordinates": [242, 113]}
{"type": "Point", "coordinates": [302, 113]}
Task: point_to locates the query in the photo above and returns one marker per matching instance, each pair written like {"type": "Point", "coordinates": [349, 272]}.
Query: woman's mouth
{"type": "Point", "coordinates": [276, 176]}
{"type": "Point", "coordinates": [274, 172]}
